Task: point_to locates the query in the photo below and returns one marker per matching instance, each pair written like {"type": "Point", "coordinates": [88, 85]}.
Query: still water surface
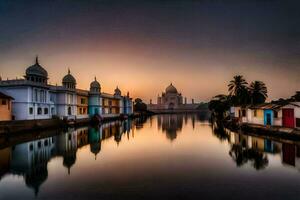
{"type": "Point", "coordinates": [166, 157]}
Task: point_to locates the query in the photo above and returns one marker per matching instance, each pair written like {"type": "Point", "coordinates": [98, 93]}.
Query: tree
{"type": "Point", "coordinates": [139, 105]}
{"type": "Point", "coordinates": [219, 105]}
{"type": "Point", "coordinates": [238, 90]}
{"type": "Point", "coordinates": [258, 92]}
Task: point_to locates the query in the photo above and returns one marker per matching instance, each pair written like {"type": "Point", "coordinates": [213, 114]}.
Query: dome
{"type": "Point", "coordinates": [36, 70]}
{"type": "Point", "coordinates": [69, 78]}
{"type": "Point", "coordinates": [117, 91]}
{"type": "Point", "coordinates": [171, 89]}
{"type": "Point", "coordinates": [95, 84]}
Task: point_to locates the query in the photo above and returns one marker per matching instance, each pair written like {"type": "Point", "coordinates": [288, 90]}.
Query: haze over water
{"type": "Point", "coordinates": [143, 45]}
{"type": "Point", "coordinates": [166, 156]}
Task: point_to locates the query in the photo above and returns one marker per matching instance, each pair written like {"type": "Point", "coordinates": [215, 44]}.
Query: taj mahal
{"type": "Point", "coordinates": [172, 101]}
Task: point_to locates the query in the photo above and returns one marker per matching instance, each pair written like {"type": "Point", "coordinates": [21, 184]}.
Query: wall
{"type": "Point", "coordinates": [5, 110]}
{"type": "Point", "coordinates": [258, 119]}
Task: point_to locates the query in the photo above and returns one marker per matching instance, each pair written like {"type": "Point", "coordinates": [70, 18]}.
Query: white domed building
{"type": "Point", "coordinates": [31, 94]}
{"type": "Point", "coordinates": [65, 97]}
{"type": "Point", "coordinates": [172, 101]}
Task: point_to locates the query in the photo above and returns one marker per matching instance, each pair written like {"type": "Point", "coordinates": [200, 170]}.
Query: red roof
{"type": "Point", "coordinates": [4, 96]}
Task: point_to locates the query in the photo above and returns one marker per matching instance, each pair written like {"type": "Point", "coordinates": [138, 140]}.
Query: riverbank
{"type": "Point", "coordinates": [273, 132]}
{"type": "Point", "coordinates": [21, 126]}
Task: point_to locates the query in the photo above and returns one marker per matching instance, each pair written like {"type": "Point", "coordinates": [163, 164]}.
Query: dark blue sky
{"type": "Point", "coordinates": [259, 39]}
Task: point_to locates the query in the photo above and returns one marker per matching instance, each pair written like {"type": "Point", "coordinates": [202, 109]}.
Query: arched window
{"type": "Point", "coordinates": [69, 110]}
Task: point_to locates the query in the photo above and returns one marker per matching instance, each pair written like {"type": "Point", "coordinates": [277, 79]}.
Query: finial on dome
{"type": "Point", "coordinates": [37, 59]}
{"type": "Point", "coordinates": [95, 78]}
{"type": "Point", "coordinates": [69, 72]}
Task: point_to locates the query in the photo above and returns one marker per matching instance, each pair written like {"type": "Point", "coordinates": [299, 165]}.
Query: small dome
{"type": "Point", "coordinates": [171, 89]}
{"type": "Point", "coordinates": [95, 84]}
{"type": "Point", "coordinates": [69, 78]}
{"type": "Point", "coordinates": [36, 70]}
{"type": "Point", "coordinates": [117, 91]}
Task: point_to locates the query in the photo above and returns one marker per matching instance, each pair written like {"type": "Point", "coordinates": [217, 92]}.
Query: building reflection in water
{"type": "Point", "coordinates": [30, 159]}
{"type": "Point", "coordinates": [255, 150]}
{"type": "Point", "coordinates": [170, 124]}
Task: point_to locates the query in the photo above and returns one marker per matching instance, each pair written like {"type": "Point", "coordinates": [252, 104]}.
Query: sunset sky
{"type": "Point", "coordinates": [142, 46]}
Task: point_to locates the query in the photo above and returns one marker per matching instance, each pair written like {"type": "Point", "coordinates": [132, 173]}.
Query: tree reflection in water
{"type": "Point", "coordinates": [242, 155]}
{"type": "Point", "coordinates": [240, 151]}
{"type": "Point", "coordinates": [220, 131]}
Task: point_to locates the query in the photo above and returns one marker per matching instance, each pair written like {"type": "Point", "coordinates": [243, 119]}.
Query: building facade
{"type": "Point", "coordinates": [31, 94]}
{"type": "Point", "coordinates": [172, 101]}
{"type": "Point", "coordinates": [34, 98]}
{"type": "Point", "coordinates": [5, 107]}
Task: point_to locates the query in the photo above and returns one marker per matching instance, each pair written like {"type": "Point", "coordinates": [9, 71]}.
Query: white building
{"type": "Point", "coordinates": [65, 97]}
{"type": "Point", "coordinates": [31, 94]}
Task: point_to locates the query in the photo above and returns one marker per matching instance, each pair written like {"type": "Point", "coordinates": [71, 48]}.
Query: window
{"type": "Point", "coordinates": [46, 142]}
{"type": "Point", "coordinates": [31, 147]}
{"type": "Point", "coordinates": [69, 111]}
{"type": "Point", "coordinates": [82, 100]}
{"type": "Point", "coordinates": [39, 111]}
{"type": "Point", "coordinates": [244, 113]}
{"type": "Point", "coordinates": [275, 114]}
{"type": "Point", "coordinates": [39, 144]}
{"type": "Point", "coordinates": [46, 111]}
{"type": "Point", "coordinates": [297, 122]}
{"type": "Point", "coordinates": [30, 110]}
{"type": "Point", "coordinates": [52, 111]}
{"type": "Point", "coordinates": [255, 113]}
{"type": "Point", "coordinates": [3, 102]}
{"type": "Point", "coordinates": [36, 94]}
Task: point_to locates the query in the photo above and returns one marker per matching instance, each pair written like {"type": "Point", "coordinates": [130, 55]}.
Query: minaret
{"type": "Point", "coordinates": [185, 100]}
{"type": "Point", "coordinates": [192, 101]}
{"type": "Point", "coordinates": [150, 101]}
{"type": "Point", "coordinates": [37, 60]}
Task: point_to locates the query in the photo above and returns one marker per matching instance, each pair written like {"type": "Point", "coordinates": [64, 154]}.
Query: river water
{"type": "Point", "coordinates": [162, 157]}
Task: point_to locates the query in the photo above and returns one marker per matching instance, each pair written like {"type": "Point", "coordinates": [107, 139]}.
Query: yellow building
{"type": "Point", "coordinates": [82, 103]}
{"type": "Point", "coordinates": [110, 104]}
{"type": "Point", "coordinates": [5, 107]}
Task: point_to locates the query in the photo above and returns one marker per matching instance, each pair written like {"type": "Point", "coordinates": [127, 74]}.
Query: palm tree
{"type": "Point", "coordinates": [219, 105]}
{"type": "Point", "coordinates": [238, 90]}
{"type": "Point", "coordinates": [258, 92]}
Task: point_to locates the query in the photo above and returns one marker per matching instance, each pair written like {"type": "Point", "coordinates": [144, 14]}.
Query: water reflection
{"type": "Point", "coordinates": [254, 150]}
{"type": "Point", "coordinates": [30, 160]}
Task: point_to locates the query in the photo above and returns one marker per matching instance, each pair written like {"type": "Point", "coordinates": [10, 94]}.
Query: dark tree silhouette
{"type": "Point", "coordinates": [139, 105]}
{"type": "Point", "coordinates": [258, 92]}
{"type": "Point", "coordinates": [219, 105]}
{"type": "Point", "coordinates": [237, 88]}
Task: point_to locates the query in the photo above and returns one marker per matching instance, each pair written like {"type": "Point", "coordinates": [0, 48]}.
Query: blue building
{"type": "Point", "coordinates": [268, 117]}
{"type": "Point", "coordinates": [95, 100]}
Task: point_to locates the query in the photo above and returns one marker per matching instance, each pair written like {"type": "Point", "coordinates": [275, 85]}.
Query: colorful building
{"type": "Point", "coordinates": [95, 100]}
{"type": "Point", "coordinates": [34, 98]}
{"type": "Point", "coordinates": [82, 103]}
{"type": "Point", "coordinates": [284, 114]}
{"type": "Point", "coordinates": [5, 107]}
